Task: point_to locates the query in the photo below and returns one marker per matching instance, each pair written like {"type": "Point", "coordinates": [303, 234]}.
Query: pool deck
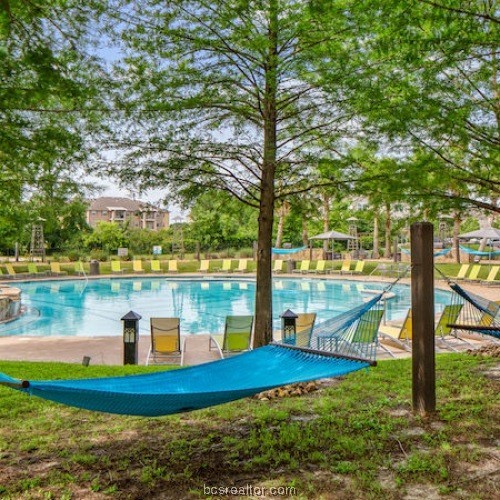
{"type": "Point", "coordinates": [109, 350]}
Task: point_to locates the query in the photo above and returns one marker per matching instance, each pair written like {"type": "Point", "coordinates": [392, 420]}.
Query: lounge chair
{"type": "Point", "coordinates": [304, 267]}
{"type": "Point", "coordinates": [172, 266]}
{"type": "Point", "coordinates": [401, 337]}
{"type": "Point", "coordinates": [137, 266]}
{"type": "Point", "coordinates": [344, 269]}
{"type": "Point", "coordinates": [155, 266]}
{"type": "Point", "coordinates": [165, 341]}
{"type": "Point", "coordinates": [116, 266]}
{"type": "Point", "coordinates": [204, 266]}
{"type": "Point", "coordinates": [237, 335]}
{"type": "Point", "coordinates": [358, 269]}
{"type": "Point", "coordinates": [242, 266]}
{"type": "Point", "coordinates": [33, 270]}
{"type": "Point", "coordinates": [55, 269]}
{"type": "Point", "coordinates": [278, 266]}
{"type": "Point", "coordinates": [79, 268]}
{"type": "Point", "coordinates": [13, 274]}
{"type": "Point", "coordinates": [320, 267]}
{"type": "Point", "coordinates": [443, 329]}
{"type": "Point", "coordinates": [474, 273]}
{"type": "Point", "coordinates": [490, 279]}
{"type": "Point", "coordinates": [304, 326]}
{"type": "Point", "coordinates": [462, 272]}
{"type": "Point", "coordinates": [226, 266]}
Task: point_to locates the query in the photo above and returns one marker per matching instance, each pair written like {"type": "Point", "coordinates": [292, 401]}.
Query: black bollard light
{"type": "Point", "coordinates": [288, 327]}
{"type": "Point", "coordinates": [131, 338]}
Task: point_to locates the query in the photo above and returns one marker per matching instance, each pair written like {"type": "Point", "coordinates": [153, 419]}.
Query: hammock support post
{"type": "Point", "coordinates": [422, 299]}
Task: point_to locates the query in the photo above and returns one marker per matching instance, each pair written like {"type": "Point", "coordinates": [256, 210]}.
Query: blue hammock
{"type": "Point", "coordinates": [444, 251]}
{"type": "Point", "coordinates": [186, 389]}
{"type": "Point", "coordinates": [493, 253]}
{"type": "Point", "coordinates": [286, 251]}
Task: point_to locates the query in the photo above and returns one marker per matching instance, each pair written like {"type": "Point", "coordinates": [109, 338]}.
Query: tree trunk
{"type": "Point", "coordinates": [388, 227]}
{"type": "Point", "coordinates": [263, 295]}
{"type": "Point", "coordinates": [376, 243]}
{"type": "Point", "coordinates": [326, 221]}
{"type": "Point", "coordinates": [283, 211]}
{"type": "Point", "coordinates": [456, 232]}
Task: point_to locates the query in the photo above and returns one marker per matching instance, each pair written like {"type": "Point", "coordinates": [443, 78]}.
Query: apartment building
{"type": "Point", "coordinates": [137, 213]}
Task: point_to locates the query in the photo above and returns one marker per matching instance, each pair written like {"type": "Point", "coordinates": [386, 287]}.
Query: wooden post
{"type": "Point", "coordinates": [422, 303]}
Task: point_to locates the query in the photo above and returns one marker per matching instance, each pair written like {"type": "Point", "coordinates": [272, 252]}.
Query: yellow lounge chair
{"type": "Point", "coordinates": [156, 266]}
{"type": "Point", "coordinates": [278, 266]}
{"type": "Point", "coordinates": [399, 336]}
{"type": "Point", "coordinates": [304, 267]}
{"type": "Point", "coordinates": [358, 269]}
{"type": "Point", "coordinates": [462, 272]}
{"type": "Point", "coordinates": [226, 266]}
{"type": "Point", "coordinates": [12, 273]}
{"type": "Point", "coordinates": [491, 278]}
{"type": "Point", "coordinates": [55, 269]}
{"type": "Point", "coordinates": [116, 266]}
{"type": "Point", "coordinates": [165, 341]}
{"type": "Point", "coordinates": [204, 266]}
{"type": "Point", "coordinates": [172, 266]}
{"type": "Point", "coordinates": [474, 273]}
{"type": "Point", "coordinates": [137, 266]}
{"type": "Point", "coordinates": [242, 266]}
{"type": "Point", "coordinates": [320, 267]}
{"type": "Point", "coordinates": [345, 268]}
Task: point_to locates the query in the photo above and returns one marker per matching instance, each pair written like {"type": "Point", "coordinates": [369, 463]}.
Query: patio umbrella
{"type": "Point", "coordinates": [490, 233]}
{"type": "Point", "coordinates": [332, 235]}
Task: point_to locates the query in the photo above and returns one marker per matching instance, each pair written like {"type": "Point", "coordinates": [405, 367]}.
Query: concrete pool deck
{"type": "Point", "coordinates": [109, 350]}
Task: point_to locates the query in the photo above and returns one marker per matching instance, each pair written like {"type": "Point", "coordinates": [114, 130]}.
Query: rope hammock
{"type": "Point", "coordinates": [337, 347]}
{"type": "Point", "coordinates": [493, 253]}
{"type": "Point", "coordinates": [286, 251]}
{"type": "Point", "coordinates": [477, 314]}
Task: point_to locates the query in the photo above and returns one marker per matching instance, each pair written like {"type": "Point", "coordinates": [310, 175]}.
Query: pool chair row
{"type": "Point", "coordinates": [479, 273]}
{"type": "Point", "coordinates": [155, 266]}
{"type": "Point", "coordinates": [166, 339]}
{"type": "Point", "coordinates": [32, 271]}
{"type": "Point", "coordinates": [347, 267]}
{"type": "Point", "coordinates": [447, 336]}
{"type": "Point", "coordinates": [227, 266]}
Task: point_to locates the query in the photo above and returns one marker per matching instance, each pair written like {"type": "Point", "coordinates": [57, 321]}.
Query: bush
{"type": "Point", "coordinates": [98, 254]}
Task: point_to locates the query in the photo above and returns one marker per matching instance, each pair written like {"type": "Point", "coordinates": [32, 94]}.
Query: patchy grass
{"type": "Point", "coordinates": [354, 439]}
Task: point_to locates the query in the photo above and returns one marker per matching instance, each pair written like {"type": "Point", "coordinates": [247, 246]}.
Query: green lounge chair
{"type": "Point", "coordinates": [137, 266]}
{"type": "Point", "coordinates": [204, 266]}
{"type": "Point", "coordinates": [491, 278]}
{"type": "Point", "coordinates": [55, 269]}
{"type": "Point", "coordinates": [172, 266]}
{"type": "Point", "coordinates": [237, 335]}
{"type": "Point", "coordinates": [304, 267]}
{"type": "Point", "coordinates": [116, 266]}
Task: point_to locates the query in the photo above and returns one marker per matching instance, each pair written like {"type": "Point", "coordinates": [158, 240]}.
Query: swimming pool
{"type": "Point", "coordinates": [94, 307]}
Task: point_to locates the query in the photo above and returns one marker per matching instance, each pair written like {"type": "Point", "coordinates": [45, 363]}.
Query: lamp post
{"type": "Point", "coordinates": [131, 338]}
{"type": "Point", "coordinates": [288, 327]}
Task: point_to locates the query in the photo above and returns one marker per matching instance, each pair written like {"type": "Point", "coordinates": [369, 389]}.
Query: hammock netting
{"type": "Point", "coordinates": [493, 253]}
{"type": "Point", "coordinates": [478, 315]}
{"type": "Point", "coordinates": [287, 251]}
{"type": "Point", "coordinates": [337, 347]}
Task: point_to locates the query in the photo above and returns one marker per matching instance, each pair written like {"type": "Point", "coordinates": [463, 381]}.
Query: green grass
{"type": "Point", "coordinates": [357, 438]}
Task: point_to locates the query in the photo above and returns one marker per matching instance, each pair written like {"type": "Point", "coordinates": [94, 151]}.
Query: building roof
{"type": "Point", "coordinates": [112, 203]}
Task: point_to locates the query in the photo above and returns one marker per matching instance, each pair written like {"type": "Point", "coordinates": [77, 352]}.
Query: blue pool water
{"type": "Point", "coordinates": [94, 307]}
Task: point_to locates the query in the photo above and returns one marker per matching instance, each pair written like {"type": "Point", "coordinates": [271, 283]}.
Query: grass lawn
{"type": "Point", "coordinates": [355, 438]}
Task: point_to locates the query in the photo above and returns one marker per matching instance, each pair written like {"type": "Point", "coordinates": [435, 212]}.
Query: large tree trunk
{"type": "Point", "coordinates": [263, 295]}
{"type": "Point", "coordinates": [388, 227]}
